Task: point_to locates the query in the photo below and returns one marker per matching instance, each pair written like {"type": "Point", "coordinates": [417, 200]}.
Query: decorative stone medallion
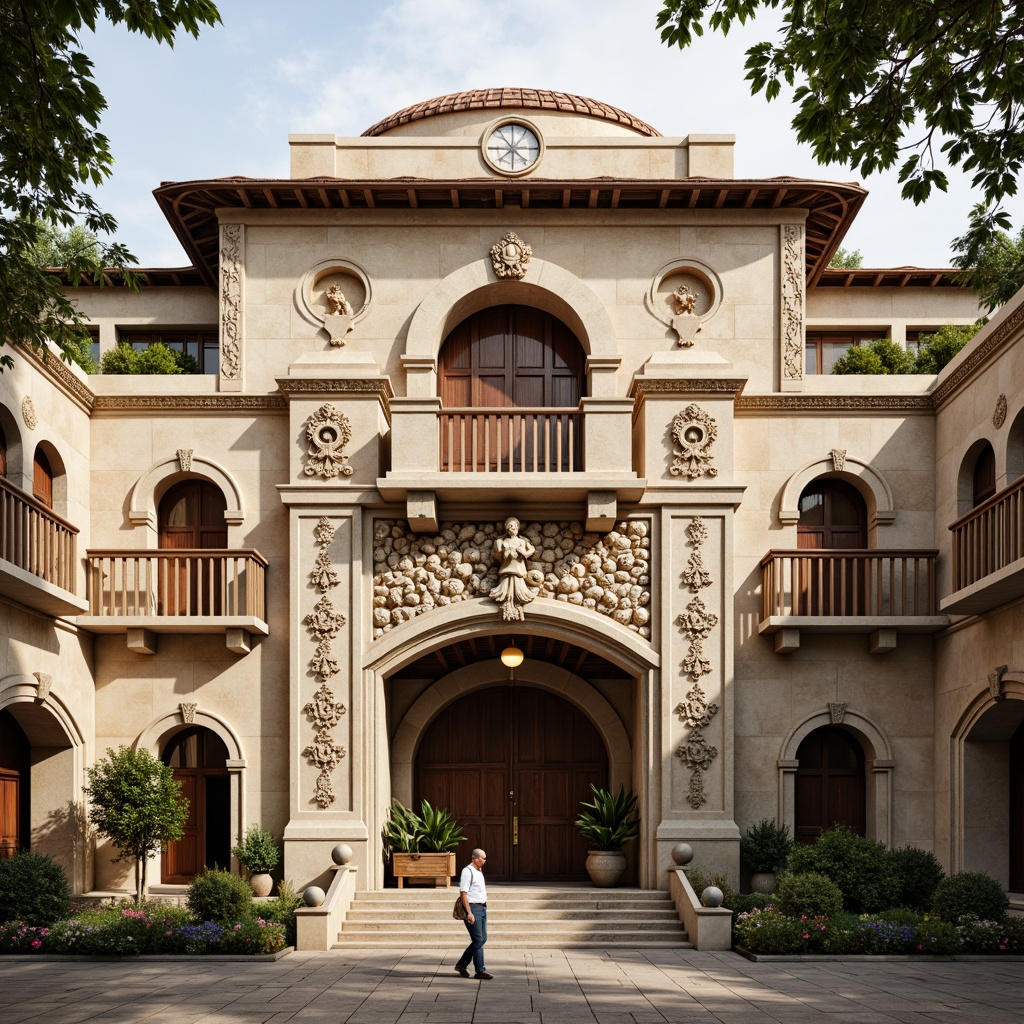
{"type": "Point", "coordinates": [28, 412]}
{"type": "Point", "coordinates": [999, 416]}
{"type": "Point", "coordinates": [694, 432]}
{"type": "Point", "coordinates": [510, 257]}
{"type": "Point", "coordinates": [328, 430]}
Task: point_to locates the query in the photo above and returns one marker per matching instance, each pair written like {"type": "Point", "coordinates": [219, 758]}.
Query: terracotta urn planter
{"type": "Point", "coordinates": [261, 883]}
{"type": "Point", "coordinates": [437, 866]}
{"type": "Point", "coordinates": [606, 867]}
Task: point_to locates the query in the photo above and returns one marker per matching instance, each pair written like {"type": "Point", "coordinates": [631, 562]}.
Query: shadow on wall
{"type": "Point", "coordinates": [65, 835]}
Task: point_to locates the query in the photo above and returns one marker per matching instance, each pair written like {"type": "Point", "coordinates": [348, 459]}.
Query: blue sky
{"type": "Point", "coordinates": [224, 104]}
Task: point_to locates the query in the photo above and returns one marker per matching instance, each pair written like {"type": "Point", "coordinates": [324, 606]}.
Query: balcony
{"type": "Point", "coordinates": [191, 590]}
{"type": "Point", "coordinates": [37, 554]}
{"type": "Point", "coordinates": [876, 592]}
{"type": "Point", "coordinates": [511, 440]}
{"type": "Point", "coordinates": [988, 554]}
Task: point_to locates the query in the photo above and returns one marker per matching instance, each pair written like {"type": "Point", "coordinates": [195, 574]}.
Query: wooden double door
{"type": "Point", "coordinates": [512, 764]}
{"type": "Point", "coordinates": [15, 773]}
{"type": "Point", "coordinates": [830, 786]}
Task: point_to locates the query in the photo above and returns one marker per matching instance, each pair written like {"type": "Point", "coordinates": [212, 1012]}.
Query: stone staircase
{"type": "Point", "coordinates": [561, 917]}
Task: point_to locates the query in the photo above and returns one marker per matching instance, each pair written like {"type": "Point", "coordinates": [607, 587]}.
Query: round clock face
{"type": "Point", "coordinates": [513, 148]}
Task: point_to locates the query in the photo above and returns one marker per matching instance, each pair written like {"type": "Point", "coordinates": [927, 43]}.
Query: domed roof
{"type": "Point", "coordinates": [511, 99]}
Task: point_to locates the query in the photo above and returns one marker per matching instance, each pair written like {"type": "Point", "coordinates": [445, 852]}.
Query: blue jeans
{"type": "Point", "coordinates": [478, 936]}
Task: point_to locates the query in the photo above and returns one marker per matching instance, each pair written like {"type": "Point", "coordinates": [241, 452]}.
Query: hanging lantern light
{"type": "Point", "coordinates": [512, 657]}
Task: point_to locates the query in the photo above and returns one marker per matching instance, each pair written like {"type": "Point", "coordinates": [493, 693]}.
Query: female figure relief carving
{"type": "Point", "coordinates": [514, 587]}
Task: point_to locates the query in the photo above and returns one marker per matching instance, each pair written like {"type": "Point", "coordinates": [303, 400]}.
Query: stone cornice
{"type": "Point", "coordinates": [339, 386]}
{"type": "Point", "coordinates": [834, 403]}
{"type": "Point", "coordinates": [976, 357]}
{"type": "Point", "coordinates": [189, 403]}
{"type": "Point", "coordinates": [686, 386]}
{"type": "Point", "coordinates": [61, 375]}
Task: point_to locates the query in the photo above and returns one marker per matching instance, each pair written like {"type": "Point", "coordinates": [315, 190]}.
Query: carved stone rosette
{"type": "Point", "coordinates": [694, 432]}
{"type": "Point", "coordinates": [510, 257]}
{"type": "Point", "coordinates": [323, 625]}
{"type": "Point", "coordinates": [231, 241]}
{"type": "Point", "coordinates": [697, 754]}
{"type": "Point", "coordinates": [999, 416]}
{"type": "Point", "coordinates": [28, 412]}
{"type": "Point", "coordinates": [791, 328]}
{"type": "Point", "coordinates": [328, 431]}
{"type": "Point", "coordinates": [695, 575]}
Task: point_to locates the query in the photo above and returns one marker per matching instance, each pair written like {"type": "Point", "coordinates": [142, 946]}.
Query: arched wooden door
{"type": "Point", "coordinates": [42, 478]}
{"type": "Point", "coordinates": [983, 482]}
{"type": "Point", "coordinates": [191, 518]}
{"type": "Point", "coordinates": [3, 452]}
{"type": "Point", "coordinates": [829, 784]}
{"type": "Point", "coordinates": [512, 764]}
{"type": "Point", "coordinates": [511, 357]}
{"type": "Point", "coordinates": [199, 759]}
{"type": "Point", "coordinates": [15, 768]}
{"type": "Point", "coordinates": [832, 516]}
{"type": "Point", "coordinates": [1017, 810]}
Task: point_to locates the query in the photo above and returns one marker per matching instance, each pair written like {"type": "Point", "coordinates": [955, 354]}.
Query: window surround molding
{"type": "Point", "coordinates": [151, 486]}
{"type": "Point", "coordinates": [871, 484]}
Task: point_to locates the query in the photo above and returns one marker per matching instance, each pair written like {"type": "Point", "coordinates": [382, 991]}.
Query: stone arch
{"type": "Point", "coordinates": [155, 736]}
{"type": "Point", "coordinates": [154, 483]}
{"type": "Point", "coordinates": [976, 783]}
{"type": "Point", "coordinates": [474, 287]}
{"type": "Point", "coordinates": [965, 474]}
{"type": "Point", "coordinates": [58, 473]}
{"type": "Point", "coordinates": [15, 448]}
{"type": "Point", "coordinates": [1014, 456]}
{"type": "Point", "coordinates": [878, 764]}
{"type": "Point", "coordinates": [872, 485]}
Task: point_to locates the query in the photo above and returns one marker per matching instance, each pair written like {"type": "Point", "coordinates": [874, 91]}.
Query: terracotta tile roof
{"type": "Point", "coordinates": [511, 99]}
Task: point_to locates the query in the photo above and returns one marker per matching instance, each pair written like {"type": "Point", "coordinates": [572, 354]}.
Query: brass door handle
{"type": "Point", "coordinates": [515, 831]}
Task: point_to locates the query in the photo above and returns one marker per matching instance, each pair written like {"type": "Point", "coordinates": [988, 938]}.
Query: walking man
{"type": "Point", "coordinates": [473, 891]}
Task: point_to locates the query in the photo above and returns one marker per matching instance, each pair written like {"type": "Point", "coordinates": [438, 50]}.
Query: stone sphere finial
{"type": "Point", "coordinates": [313, 896]}
{"type": "Point", "coordinates": [682, 854]}
{"type": "Point", "coordinates": [712, 896]}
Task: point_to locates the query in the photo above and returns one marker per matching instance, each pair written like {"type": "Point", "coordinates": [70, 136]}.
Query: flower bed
{"type": "Point", "coordinates": [902, 932]}
{"type": "Point", "coordinates": [126, 931]}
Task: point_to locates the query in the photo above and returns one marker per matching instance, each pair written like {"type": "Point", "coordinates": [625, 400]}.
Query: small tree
{"type": "Point", "coordinates": [137, 804]}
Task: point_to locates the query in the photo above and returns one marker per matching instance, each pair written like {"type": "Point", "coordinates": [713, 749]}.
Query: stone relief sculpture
{"type": "Point", "coordinates": [838, 459]}
{"type": "Point", "coordinates": [188, 712]}
{"type": "Point", "coordinates": [605, 573]}
{"type": "Point", "coordinates": [837, 712]}
{"type": "Point", "coordinates": [792, 303]}
{"type": "Point", "coordinates": [695, 575]}
{"type": "Point", "coordinates": [510, 257]}
{"type": "Point", "coordinates": [323, 624]}
{"type": "Point", "coordinates": [697, 754]}
{"type": "Point", "coordinates": [999, 416]}
{"type": "Point", "coordinates": [694, 432]}
{"type": "Point", "coordinates": [328, 431]}
{"type": "Point", "coordinates": [340, 315]}
{"type": "Point", "coordinates": [517, 585]}
{"type": "Point", "coordinates": [230, 301]}
{"type": "Point", "coordinates": [686, 323]}
{"type": "Point", "coordinates": [28, 412]}
{"type": "Point", "coordinates": [697, 622]}
{"type": "Point", "coordinates": [185, 459]}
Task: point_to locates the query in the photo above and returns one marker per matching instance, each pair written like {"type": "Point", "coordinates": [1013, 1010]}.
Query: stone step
{"type": "Point", "coordinates": [616, 940]}
{"type": "Point", "coordinates": [500, 893]}
{"type": "Point", "coordinates": [505, 925]}
{"type": "Point", "coordinates": [427, 915]}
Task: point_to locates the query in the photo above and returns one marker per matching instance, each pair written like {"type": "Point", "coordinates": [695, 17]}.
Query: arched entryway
{"type": "Point", "coordinates": [1017, 810]}
{"type": "Point", "coordinates": [15, 778]}
{"type": "Point", "coordinates": [191, 518]}
{"type": "Point", "coordinates": [830, 784]}
{"type": "Point", "coordinates": [512, 764]}
{"type": "Point", "coordinates": [199, 758]}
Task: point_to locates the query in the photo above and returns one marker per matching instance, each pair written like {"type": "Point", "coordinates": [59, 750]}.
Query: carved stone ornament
{"type": "Point", "coordinates": [696, 531]}
{"type": "Point", "coordinates": [324, 531]}
{"type": "Point", "coordinates": [517, 585]}
{"type": "Point", "coordinates": [44, 682]}
{"type": "Point", "coordinates": [695, 576]}
{"type": "Point", "coordinates": [838, 459]}
{"type": "Point", "coordinates": [837, 712]}
{"type": "Point", "coordinates": [323, 753]}
{"type": "Point", "coordinates": [323, 576]}
{"type": "Point", "coordinates": [995, 682]}
{"type": "Point", "coordinates": [697, 623]}
{"type": "Point", "coordinates": [697, 754]}
{"type": "Point", "coordinates": [28, 412]}
{"type": "Point", "coordinates": [999, 416]}
{"type": "Point", "coordinates": [230, 300]}
{"type": "Point", "coordinates": [607, 574]}
{"type": "Point", "coordinates": [510, 257]}
{"type": "Point", "coordinates": [324, 622]}
{"type": "Point", "coordinates": [686, 323]}
{"type": "Point", "coordinates": [340, 315]}
{"type": "Point", "coordinates": [792, 303]}
{"type": "Point", "coordinates": [185, 460]}
{"type": "Point", "coordinates": [328, 430]}
{"type": "Point", "coordinates": [694, 432]}
{"type": "Point", "coordinates": [188, 712]}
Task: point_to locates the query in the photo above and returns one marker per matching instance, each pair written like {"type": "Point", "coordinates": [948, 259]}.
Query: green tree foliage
{"type": "Point", "coordinates": [939, 348]}
{"type": "Point", "coordinates": [33, 889]}
{"type": "Point", "coordinates": [880, 84]}
{"type": "Point", "coordinates": [847, 259]}
{"type": "Point", "coordinates": [52, 154]}
{"type": "Point", "coordinates": [885, 356]}
{"type": "Point", "coordinates": [257, 852]}
{"type": "Point", "coordinates": [992, 260]}
{"type": "Point", "coordinates": [155, 359]}
{"type": "Point", "coordinates": [137, 804]}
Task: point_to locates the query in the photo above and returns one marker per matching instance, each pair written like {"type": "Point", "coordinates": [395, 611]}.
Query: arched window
{"type": "Point", "coordinates": [829, 784]}
{"type": "Point", "coordinates": [191, 517]}
{"type": "Point", "coordinates": [832, 515]}
{"type": "Point", "coordinates": [199, 759]}
{"type": "Point", "coordinates": [42, 478]}
{"type": "Point", "coordinates": [984, 479]}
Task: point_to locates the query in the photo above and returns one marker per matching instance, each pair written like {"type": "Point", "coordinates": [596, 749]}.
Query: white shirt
{"type": "Point", "coordinates": [473, 885]}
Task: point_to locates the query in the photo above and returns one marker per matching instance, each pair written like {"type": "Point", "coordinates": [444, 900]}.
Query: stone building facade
{"type": "Point", "coordinates": [292, 575]}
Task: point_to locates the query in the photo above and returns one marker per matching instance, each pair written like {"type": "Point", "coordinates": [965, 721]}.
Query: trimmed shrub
{"type": "Point", "coordinates": [918, 873]}
{"type": "Point", "coordinates": [33, 889]}
{"type": "Point", "coordinates": [845, 934]}
{"type": "Point", "coordinates": [1006, 936]}
{"type": "Point", "coordinates": [743, 903]}
{"type": "Point", "coordinates": [155, 359]}
{"type": "Point", "coordinates": [970, 894]}
{"type": "Point", "coordinates": [858, 865]}
{"type": "Point", "coordinates": [770, 931]}
{"type": "Point", "coordinates": [282, 910]}
{"type": "Point", "coordinates": [766, 846]}
{"type": "Point", "coordinates": [701, 879]}
{"type": "Point", "coordinates": [219, 896]}
{"type": "Point", "coordinates": [808, 895]}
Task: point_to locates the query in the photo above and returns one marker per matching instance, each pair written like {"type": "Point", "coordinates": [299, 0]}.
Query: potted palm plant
{"type": "Point", "coordinates": [608, 823]}
{"type": "Point", "coordinates": [765, 848]}
{"type": "Point", "coordinates": [258, 854]}
{"type": "Point", "coordinates": [421, 845]}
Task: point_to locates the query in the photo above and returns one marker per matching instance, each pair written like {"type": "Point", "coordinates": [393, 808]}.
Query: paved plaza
{"type": "Point", "coordinates": [613, 987]}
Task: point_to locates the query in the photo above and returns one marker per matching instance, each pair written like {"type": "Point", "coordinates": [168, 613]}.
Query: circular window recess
{"type": "Point", "coordinates": [331, 287]}
{"type": "Point", "coordinates": [512, 147]}
{"type": "Point", "coordinates": [684, 286]}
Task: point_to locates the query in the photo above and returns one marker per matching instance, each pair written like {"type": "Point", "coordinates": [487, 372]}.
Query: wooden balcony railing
{"type": "Point", "coordinates": [511, 440]}
{"type": "Point", "coordinates": [177, 583]}
{"type": "Point", "coordinates": [36, 540]}
{"type": "Point", "coordinates": [990, 537]}
{"type": "Point", "coordinates": [864, 583]}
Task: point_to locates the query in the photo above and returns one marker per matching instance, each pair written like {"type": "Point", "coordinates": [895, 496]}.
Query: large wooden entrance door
{"type": "Point", "coordinates": [199, 759]}
{"type": "Point", "coordinates": [191, 517]}
{"type": "Point", "coordinates": [15, 768]}
{"type": "Point", "coordinates": [829, 784]}
{"type": "Point", "coordinates": [512, 764]}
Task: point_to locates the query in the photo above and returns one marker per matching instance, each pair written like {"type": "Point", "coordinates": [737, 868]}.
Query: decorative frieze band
{"type": "Point", "coordinates": [791, 307]}
{"type": "Point", "coordinates": [232, 243]}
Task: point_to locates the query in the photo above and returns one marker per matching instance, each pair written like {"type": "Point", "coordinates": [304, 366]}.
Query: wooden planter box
{"type": "Point", "coordinates": [439, 867]}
